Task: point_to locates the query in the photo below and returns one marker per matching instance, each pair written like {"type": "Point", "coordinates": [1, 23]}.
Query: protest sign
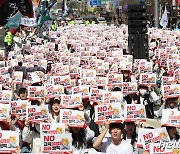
{"type": "Point", "coordinates": [5, 96]}
{"type": "Point", "coordinates": [71, 101]}
{"type": "Point", "coordinates": [17, 77]}
{"type": "Point", "coordinates": [165, 148]}
{"type": "Point", "coordinates": [133, 112]}
{"type": "Point", "coordinates": [52, 128]}
{"type": "Point", "coordinates": [19, 107]}
{"type": "Point", "coordinates": [54, 90]}
{"type": "Point", "coordinates": [169, 91]}
{"type": "Point", "coordinates": [4, 111]}
{"type": "Point", "coordinates": [96, 95]}
{"type": "Point", "coordinates": [62, 80]}
{"type": "Point", "coordinates": [147, 79]}
{"type": "Point", "coordinates": [62, 70]}
{"type": "Point", "coordinates": [56, 143]}
{"type": "Point", "coordinates": [111, 112]}
{"type": "Point", "coordinates": [37, 113]}
{"type": "Point", "coordinates": [101, 81]}
{"type": "Point", "coordinates": [167, 80]}
{"type": "Point", "coordinates": [7, 82]}
{"type": "Point", "coordinates": [113, 97]}
{"type": "Point", "coordinates": [154, 135]}
{"type": "Point", "coordinates": [73, 118]}
{"type": "Point", "coordinates": [89, 81]}
{"type": "Point", "coordinates": [129, 87]}
{"type": "Point", "coordinates": [115, 79]}
{"type": "Point", "coordinates": [84, 90]}
{"type": "Point", "coordinates": [35, 92]}
{"type": "Point", "coordinates": [170, 117]}
{"type": "Point", "coordinates": [145, 67]}
{"type": "Point", "coordinates": [9, 141]}
{"type": "Point", "coordinates": [89, 73]}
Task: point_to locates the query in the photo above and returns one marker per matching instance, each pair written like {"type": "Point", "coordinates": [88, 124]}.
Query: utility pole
{"type": "Point", "coordinates": [156, 13]}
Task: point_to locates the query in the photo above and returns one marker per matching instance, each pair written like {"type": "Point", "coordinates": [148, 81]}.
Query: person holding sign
{"type": "Point", "coordinates": [147, 97]}
{"type": "Point", "coordinates": [54, 110]}
{"type": "Point", "coordinates": [114, 144]}
{"type": "Point", "coordinates": [168, 103]}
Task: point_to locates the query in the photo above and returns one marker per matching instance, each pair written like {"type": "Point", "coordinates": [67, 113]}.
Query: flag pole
{"type": "Point", "coordinates": [156, 14]}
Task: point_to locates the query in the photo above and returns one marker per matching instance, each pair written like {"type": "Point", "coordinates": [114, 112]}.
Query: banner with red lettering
{"type": "Point", "coordinates": [133, 112]}
{"type": "Point", "coordinates": [54, 90]}
{"type": "Point", "coordinates": [84, 90]}
{"type": "Point", "coordinates": [129, 88]}
{"type": "Point", "coordinates": [71, 101]}
{"type": "Point", "coordinates": [111, 112]}
{"type": "Point", "coordinates": [9, 141]}
{"type": "Point", "coordinates": [56, 142]}
{"type": "Point", "coordinates": [147, 79]}
{"type": "Point", "coordinates": [4, 111]}
{"type": "Point", "coordinates": [5, 96]}
{"type": "Point", "coordinates": [17, 77]}
{"type": "Point", "coordinates": [115, 79]}
{"type": "Point", "coordinates": [35, 92]}
{"type": "Point", "coordinates": [154, 135]}
{"type": "Point", "coordinates": [170, 117]}
{"type": "Point", "coordinates": [19, 107]}
{"type": "Point", "coordinates": [37, 113]}
{"type": "Point", "coordinates": [165, 148]}
{"type": "Point", "coordinates": [169, 91]}
{"type": "Point", "coordinates": [73, 118]}
{"type": "Point", "coordinates": [52, 128]}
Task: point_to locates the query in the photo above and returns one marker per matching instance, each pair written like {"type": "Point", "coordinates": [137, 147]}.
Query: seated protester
{"type": "Point", "coordinates": [80, 138]}
{"type": "Point", "coordinates": [173, 134]}
{"type": "Point", "coordinates": [115, 144]}
{"type": "Point", "coordinates": [131, 136]}
{"type": "Point", "coordinates": [147, 97]}
{"type": "Point", "coordinates": [31, 135]}
{"type": "Point", "coordinates": [169, 103]}
{"type": "Point", "coordinates": [54, 110]}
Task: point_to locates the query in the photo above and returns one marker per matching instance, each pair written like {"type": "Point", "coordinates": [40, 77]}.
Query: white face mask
{"type": "Point", "coordinates": [142, 92]}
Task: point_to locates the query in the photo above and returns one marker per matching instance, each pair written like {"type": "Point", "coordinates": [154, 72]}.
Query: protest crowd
{"type": "Point", "coordinates": [78, 90]}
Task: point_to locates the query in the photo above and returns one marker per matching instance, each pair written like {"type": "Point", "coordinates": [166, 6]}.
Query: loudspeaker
{"type": "Point", "coordinates": [137, 19]}
{"type": "Point", "coordinates": [138, 46]}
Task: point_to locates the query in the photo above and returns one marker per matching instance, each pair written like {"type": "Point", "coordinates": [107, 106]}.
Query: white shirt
{"type": "Point", "coordinates": [123, 148]}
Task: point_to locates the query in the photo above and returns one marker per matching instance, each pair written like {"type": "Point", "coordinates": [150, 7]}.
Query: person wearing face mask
{"type": "Point", "coordinates": [147, 97]}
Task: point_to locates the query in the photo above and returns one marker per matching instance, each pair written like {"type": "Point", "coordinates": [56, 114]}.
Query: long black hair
{"type": "Point", "coordinates": [134, 135]}
{"type": "Point", "coordinates": [79, 139]}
